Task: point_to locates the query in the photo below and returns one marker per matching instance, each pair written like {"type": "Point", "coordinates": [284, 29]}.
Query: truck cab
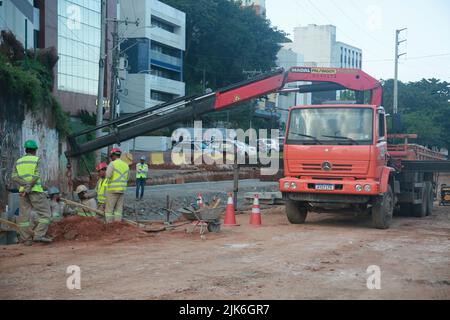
{"type": "Point", "coordinates": [335, 159]}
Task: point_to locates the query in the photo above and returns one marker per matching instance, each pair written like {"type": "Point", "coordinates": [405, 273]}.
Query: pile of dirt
{"type": "Point", "coordinates": [88, 229]}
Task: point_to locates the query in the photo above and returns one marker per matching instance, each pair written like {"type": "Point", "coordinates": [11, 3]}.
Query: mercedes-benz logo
{"type": "Point", "coordinates": [326, 166]}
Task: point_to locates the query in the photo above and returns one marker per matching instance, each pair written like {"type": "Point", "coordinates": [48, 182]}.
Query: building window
{"type": "Point", "coordinates": [164, 73]}
{"type": "Point", "coordinates": [162, 96]}
{"type": "Point", "coordinates": [78, 45]}
{"type": "Point", "coordinates": [164, 49]}
{"type": "Point", "coordinates": [137, 51]}
{"type": "Point", "coordinates": [163, 24]}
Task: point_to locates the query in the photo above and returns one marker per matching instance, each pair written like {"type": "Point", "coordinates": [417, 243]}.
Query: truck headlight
{"type": "Point", "coordinates": [358, 187]}
{"type": "Point", "coordinates": [367, 188]}
{"type": "Point", "coordinates": [293, 185]}
{"type": "Point", "coordinates": [286, 185]}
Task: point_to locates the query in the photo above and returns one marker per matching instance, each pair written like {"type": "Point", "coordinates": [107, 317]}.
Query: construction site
{"type": "Point", "coordinates": [299, 180]}
{"type": "Point", "coordinates": [316, 231]}
{"type": "Point", "coordinates": [278, 260]}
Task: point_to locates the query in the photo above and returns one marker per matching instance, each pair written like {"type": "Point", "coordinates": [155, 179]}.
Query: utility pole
{"type": "Point", "coordinates": [114, 70]}
{"type": "Point", "coordinates": [101, 75]}
{"type": "Point", "coordinates": [397, 56]}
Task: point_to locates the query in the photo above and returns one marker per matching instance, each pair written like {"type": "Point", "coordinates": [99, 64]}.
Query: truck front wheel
{"type": "Point", "coordinates": [296, 212]}
{"type": "Point", "coordinates": [383, 210]}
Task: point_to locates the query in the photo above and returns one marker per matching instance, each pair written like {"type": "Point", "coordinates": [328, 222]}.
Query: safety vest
{"type": "Point", "coordinates": [101, 191]}
{"type": "Point", "coordinates": [26, 169]}
{"type": "Point", "coordinates": [142, 169]}
{"type": "Point", "coordinates": [119, 179]}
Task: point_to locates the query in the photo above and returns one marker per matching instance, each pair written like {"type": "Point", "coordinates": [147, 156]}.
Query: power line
{"type": "Point", "coordinates": [358, 26]}
{"type": "Point", "coordinates": [337, 28]}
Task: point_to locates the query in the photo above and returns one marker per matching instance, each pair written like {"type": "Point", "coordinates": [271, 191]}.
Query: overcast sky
{"type": "Point", "coordinates": [370, 25]}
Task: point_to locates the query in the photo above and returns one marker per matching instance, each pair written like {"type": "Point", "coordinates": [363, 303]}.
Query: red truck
{"type": "Point", "coordinates": [336, 157]}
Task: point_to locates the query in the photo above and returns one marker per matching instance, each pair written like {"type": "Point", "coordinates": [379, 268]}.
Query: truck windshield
{"type": "Point", "coordinates": [344, 126]}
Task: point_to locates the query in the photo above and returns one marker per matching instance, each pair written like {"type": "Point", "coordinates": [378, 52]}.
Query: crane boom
{"type": "Point", "coordinates": [189, 107]}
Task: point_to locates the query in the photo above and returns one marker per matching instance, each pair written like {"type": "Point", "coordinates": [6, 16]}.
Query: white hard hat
{"type": "Point", "coordinates": [81, 188]}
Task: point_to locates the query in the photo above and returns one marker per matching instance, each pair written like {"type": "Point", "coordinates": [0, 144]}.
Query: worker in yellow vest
{"type": "Point", "coordinates": [117, 175]}
{"type": "Point", "coordinates": [27, 174]}
{"type": "Point", "coordinates": [101, 185]}
{"type": "Point", "coordinates": [141, 178]}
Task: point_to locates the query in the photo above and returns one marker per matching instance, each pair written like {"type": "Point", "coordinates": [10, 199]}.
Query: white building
{"type": "Point", "coordinates": [318, 45]}
{"type": "Point", "coordinates": [154, 51]}
{"type": "Point", "coordinates": [22, 18]}
{"type": "Point", "coordinates": [287, 58]}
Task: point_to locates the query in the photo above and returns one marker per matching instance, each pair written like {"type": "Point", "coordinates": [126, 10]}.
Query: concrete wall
{"type": "Point", "coordinates": [18, 125]}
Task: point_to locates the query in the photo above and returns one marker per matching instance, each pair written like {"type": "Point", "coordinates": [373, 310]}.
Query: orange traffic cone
{"type": "Point", "coordinates": [200, 200]}
{"type": "Point", "coordinates": [230, 218]}
{"type": "Point", "coordinates": [255, 217]}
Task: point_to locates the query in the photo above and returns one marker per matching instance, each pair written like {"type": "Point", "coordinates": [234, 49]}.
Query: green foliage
{"type": "Point", "coordinates": [61, 118]}
{"type": "Point", "coordinates": [87, 160]}
{"type": "Point", "coordinates": [89, 119]}
{"type": "Point", "coordinates": [347, 95]}
{"type": "Point", "coordinates": [223, 40]}
{"type": "Point", "coordinates": [424, 107]}
{"type": "Point", "coordinates": [16, 81]}
{"type": "Point", "coordinates": [29, 76]}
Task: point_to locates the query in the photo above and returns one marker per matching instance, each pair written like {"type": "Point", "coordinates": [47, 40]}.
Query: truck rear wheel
{"type": "Point", "coordinates": [296, 212]}
{"type": "Point", "coordinates": [383, 210]}
{"type": "Point", "coordinates": [420, 210]}
{"type": "Point", "coordinates": [430, 197]}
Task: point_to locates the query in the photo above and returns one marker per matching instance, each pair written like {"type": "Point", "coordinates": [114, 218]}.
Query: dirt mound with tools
{"type": "Point", "coordinates": [88, 229]}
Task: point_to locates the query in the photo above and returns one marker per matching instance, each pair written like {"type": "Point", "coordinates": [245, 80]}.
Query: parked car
{"type": "Point", "coordinates": [271, 145]}
{"type": "Point", "coordinates": [227, 146]}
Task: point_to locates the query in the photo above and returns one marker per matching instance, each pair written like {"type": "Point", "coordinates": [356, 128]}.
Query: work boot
{"type": "Point", "coordinates": [43, 240]}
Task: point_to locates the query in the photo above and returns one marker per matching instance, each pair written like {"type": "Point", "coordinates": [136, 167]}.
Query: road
{"type": "Point", "coordinates": [326, 258]}
{"type": "Point", "coordinates": [184, 194]}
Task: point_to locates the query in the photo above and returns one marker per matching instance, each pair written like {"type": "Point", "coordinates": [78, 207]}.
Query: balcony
{"type": "Point", "coordinates": [167, 85]}
{"type": "Point", "coordinates": [165, 37]}
{"type": "Point", "coordinates": [174, 61]}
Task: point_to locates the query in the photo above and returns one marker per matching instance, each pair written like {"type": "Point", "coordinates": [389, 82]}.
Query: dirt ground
{"type": "Point", "coordinates": [326, 258]}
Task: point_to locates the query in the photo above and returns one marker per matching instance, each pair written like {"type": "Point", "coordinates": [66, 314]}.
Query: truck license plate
{"type": "Point", "coordinates": [327, 187]}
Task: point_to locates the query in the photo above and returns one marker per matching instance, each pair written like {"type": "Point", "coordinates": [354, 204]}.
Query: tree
{"type": "Point", "coordinates": [224, 39]}
{"type": "Point", "coordinates": [424, 107]}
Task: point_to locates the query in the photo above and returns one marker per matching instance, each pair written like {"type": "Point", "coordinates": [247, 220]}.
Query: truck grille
{"type": "Point", "coordinates": [334, 167]}
{"type": "Point", "coordinates": [356, 167]}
